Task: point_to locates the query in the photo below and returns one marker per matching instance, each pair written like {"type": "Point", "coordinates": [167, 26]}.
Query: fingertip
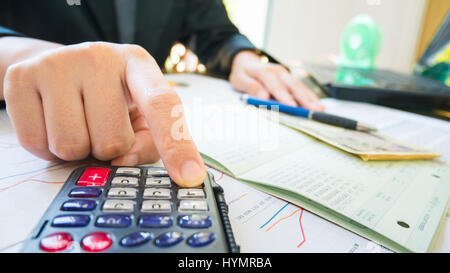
{"type": "Point", "coordinates": [192, 174]}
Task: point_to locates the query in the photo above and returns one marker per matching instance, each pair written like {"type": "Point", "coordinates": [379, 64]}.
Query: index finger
{"type": "Point", "coordinates": [162, 109]}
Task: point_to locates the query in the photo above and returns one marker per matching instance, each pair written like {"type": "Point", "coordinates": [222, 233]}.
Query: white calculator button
{"type": "Point", "coordinates": [125, 181]}
{"type": "Point", "coordinates": [157, 172]}
{"type": "Point", "coordinates": [129, 171]}
{"type": "Point", "coordinates": [118, 205]}
{"type": "Point", "coordinates": [157, 182]}
{"type": "Point", "coordinates": [122, 192]}
{"type": "Point", "coordinates": [157, 193]}
{"type": "Point", "coordinates": [191, 193]}
{"type": "Point", "coordinates": [156, 206]}
{"type": "Point", "coordinates": [193, 205]}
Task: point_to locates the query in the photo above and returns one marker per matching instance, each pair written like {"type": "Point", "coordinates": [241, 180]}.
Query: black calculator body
{"type": "Point", "coordinates": [133, 209]}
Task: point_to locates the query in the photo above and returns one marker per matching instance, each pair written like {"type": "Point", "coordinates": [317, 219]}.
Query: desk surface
{"type": "Point", "coordinates": [262, 223]}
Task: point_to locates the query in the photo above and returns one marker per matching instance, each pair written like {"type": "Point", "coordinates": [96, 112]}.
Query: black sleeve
{"type": "Point", "coordinates": [211, 35]}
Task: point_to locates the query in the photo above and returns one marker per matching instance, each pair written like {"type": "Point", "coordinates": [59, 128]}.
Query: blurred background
{"type": "Point", "coordinates": [305, 30]}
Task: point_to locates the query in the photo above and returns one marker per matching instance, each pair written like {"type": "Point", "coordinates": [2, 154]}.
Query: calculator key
{"type": "Point", "coordinates": [56, 242]}
{"type": "Point", "coordinates": [156, 206]}
{"type": "Point", "coordinates": [157, 182]}
{"type": "Point", "coordinates": [122, 193]}
{"type": "Point", "coordinates": [96, 242]}
{"type": "Point", "coordinates": [71, 220]}
{"type": "Point", "coordinates": [170, 238]}
{"type": "Point", "coordinates": [123, 181]}
{"type": "Point", "coordinates": [136, 239]}
{"type": "Point", "coordinates": [194, 221]}
{"type": "Point", "coordinates": [128, 171]}
{"type": "Point", "coordinates": [94, 176]}
{"type": "Point", "coordinates": [157, 193]}
{"type": "Point", "coordinates": [202, 238]}
{"type": "Point", "coordinates": [85, 192]}
{"type": "Point", "coordinates": [118, 205]}
{"type": "Point", "coordinates": [157, 172]}
{"type": "Point", "coordinates": [191, 193]}
{"type": "Point", "coordinates": [79, 205]}
{"type": "Point", "coordinates": [113, 220]}
{"type": "Point", "coordinates": [155, 221]}
{"type": "Point", "coordinates": [193, 205]}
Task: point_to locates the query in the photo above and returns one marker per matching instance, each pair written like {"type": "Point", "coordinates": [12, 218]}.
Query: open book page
{"type": "Point", "coordinates": [403, 201]}
{"type": "Point", "coordinates": [235, 135]}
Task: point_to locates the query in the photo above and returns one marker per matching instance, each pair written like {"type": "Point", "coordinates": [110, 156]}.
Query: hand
{"type": "Point", "coordinates": [106, 99]}
{"type": "Point", "coordinates": [263, 80]}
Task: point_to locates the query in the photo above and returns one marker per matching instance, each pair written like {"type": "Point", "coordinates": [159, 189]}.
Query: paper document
{"type": "Point", "coordinates": [264, 223]}
{"type": "Point", "coordinates": [399, 204]}
{"type": "Point", "coordinates": [369, 146]}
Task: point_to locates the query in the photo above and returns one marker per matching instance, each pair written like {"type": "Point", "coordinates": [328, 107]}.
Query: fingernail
{"type": "Point", "coordinates": [191, 172]}
{"type": "Point", "coordinates": [130, 160]}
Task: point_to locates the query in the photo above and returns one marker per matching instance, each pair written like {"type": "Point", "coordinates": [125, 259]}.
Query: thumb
{"type": "Point", "coordinates": [143, 150]}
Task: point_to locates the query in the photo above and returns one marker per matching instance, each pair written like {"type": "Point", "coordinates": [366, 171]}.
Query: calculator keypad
{"type": "Point", "coordinates": [133, 198]}
{"type": "Point", "coordinates": [118, 205]}
{"type": "Point", "coordinates": [122, 193]}
{"type": "Point", "coordinates": [156, 206]}
{"type": "Point", "coordinates": [157, 193]}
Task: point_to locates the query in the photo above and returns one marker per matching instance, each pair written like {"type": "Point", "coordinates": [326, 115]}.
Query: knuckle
{"type": "Point", "coordinates": [163, 100]}
{"type": "Point", "coordinates": [95, 54]}
{"type": "Point", "coordinates": [12, 79]}
{"type": "Point", "coordinates": [70, 152]}
{"type": "Point", "coordinates": [138, 51]}
{"type": "Point", "coordinates": [33, 144]}
{"type": "Point", "coordinates": [109, 150]}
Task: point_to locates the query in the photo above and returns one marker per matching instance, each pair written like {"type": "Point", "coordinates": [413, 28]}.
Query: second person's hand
{"type": "Point", "coordinates": [265, 80]}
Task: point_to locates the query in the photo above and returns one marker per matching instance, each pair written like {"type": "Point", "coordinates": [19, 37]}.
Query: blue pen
{"type": "Point", "coordinates": [305, 113]}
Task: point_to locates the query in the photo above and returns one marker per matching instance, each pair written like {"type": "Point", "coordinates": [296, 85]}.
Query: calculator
{"type": "Point", "coordinates": [133, 209]}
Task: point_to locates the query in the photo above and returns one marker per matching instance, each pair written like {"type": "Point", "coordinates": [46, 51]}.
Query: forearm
{"type": "Point", "coordinates": [16, 49]}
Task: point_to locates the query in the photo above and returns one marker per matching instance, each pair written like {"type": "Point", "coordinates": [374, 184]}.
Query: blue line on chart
{"type": "Point", "coordinates": [276, 213]}
{"type": "Point", "coordinates": [30, 172]}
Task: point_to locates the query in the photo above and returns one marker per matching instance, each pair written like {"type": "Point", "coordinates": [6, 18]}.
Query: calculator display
{"type": "Point", "coordinates": [133, 209]}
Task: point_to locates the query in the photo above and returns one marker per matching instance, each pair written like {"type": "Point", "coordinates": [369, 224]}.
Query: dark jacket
{"type": "Point", "coordinates": [202, 25]}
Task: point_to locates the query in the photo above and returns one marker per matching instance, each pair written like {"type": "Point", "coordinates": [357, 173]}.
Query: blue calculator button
{"type": "Point", "coordinates": [202, 238]}
{"type": "Point", "coordinates": [85, 192]}
{"type": "Point", "coordinates": [71, 220]}
{"type": "Point", "coordinates": [136, 239]}
{"type": "Point", "coordinates": [170, 238]}
{"type": "Point", "coordinates": [79, 205]}
{"type": "Point", "coordinates": [194, 221]}
{"type": "Point", "coordinates": [155, 221]}
{"type": "Point", "coordinates": [113, 220]}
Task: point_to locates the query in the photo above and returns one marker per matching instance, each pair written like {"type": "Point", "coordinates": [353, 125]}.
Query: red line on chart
{"type": "Point", "coordinates": [32, 179]}
{"type": "Point", "coordinates": [221, 176]}
{"type": "Point", "coordinates": [11, 245]}
{"type": "Point", "coordinates": [299, 220]}
{"type": "Point", "coordinates": [301, 228]}
{"type": "Point", "coordinates": [28, 180]}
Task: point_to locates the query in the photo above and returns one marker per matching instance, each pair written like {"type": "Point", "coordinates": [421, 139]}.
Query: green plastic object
{"type": "Point", "coordinates": [360, 43]}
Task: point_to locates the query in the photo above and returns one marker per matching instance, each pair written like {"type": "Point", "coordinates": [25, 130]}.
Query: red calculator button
{"type": "Point", "coordinates": [94, 176]}
{"type": "Point", "coordinates": [96, 242]}
{"type": "Point", "coordinates": [56, 242]}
